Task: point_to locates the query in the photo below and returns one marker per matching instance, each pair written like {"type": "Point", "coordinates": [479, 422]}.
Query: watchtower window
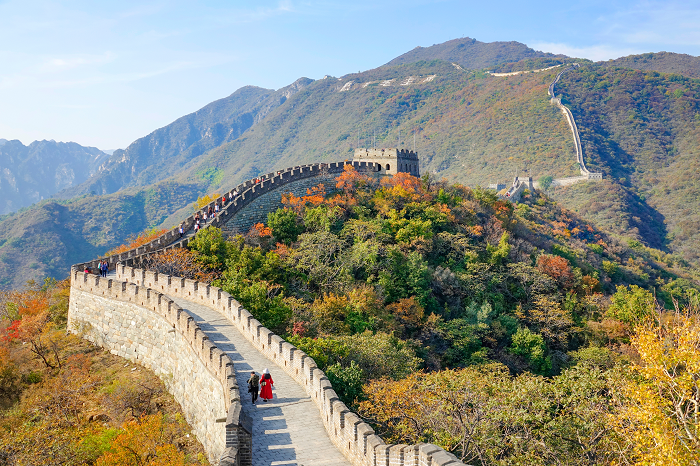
{"type": "Point", "coordinates": [388, 167]}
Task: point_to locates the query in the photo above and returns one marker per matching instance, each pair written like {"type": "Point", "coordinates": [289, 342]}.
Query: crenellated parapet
{"type": "Point", "coordinates": [245, 194]}
{"type": "Point", "coordinates": [134, 317]}
{"type": "Point", "coordinates": [144, 325]}
{"type": "Point", "coordinates": [349, 433]}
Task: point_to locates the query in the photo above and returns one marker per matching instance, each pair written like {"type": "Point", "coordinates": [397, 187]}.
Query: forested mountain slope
{"type": "Point", "coordinates": [31, 173]}
{"type": "Point", "coordinates": [642, 130]}
{"type": "Point", "coordinates": [468, 126]}
{"type": "Point", "coordinates": [45, 239]}
{"type": "Point", "coordinates": [664, 62]}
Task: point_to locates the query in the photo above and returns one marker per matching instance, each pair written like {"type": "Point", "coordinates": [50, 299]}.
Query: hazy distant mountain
{"type": "Point", "coordinates": [664, 62]}
{"type": "Point", "coordinates": [168, 150]}
{"type": "Point", "coordinates": [31, 173]}
{"type": "Point", "coordinates": [472, 54]}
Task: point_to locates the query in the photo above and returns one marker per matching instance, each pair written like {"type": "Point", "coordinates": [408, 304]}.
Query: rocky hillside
{"type": "Point", "coordinates": [170, 149]}
{"type": "Point", "coordinates": [31, 173]}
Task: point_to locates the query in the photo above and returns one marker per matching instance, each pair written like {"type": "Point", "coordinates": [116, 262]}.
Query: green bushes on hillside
{"type": "Point", "coordinates": [412, 294]}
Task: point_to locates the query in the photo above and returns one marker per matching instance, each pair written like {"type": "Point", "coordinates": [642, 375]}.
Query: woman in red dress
{"type": "Point", "coordinates": [266, 386]}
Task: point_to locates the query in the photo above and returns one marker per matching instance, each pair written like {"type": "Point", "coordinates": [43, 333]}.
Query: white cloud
{"type": "Point", "coordinates": [653, 22]}
{"type": "Point", "coordinates": [70, 62]}
{"type": "Point", "coordinates": [258, 14]}
{"type": "Point", "coordinates": [644, 26]}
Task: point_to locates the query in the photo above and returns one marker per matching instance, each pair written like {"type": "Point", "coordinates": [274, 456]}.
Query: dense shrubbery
{"type": "Point", "coordinates": [457, 276]}
{"type": "Point", "coordinates": [506, 334]}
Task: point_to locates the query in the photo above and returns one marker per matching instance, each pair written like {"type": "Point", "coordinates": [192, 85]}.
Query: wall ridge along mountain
{"type": "Point", "coordinates": [586, 175]}
{"type": "Point", "coordinates": [95, 302]}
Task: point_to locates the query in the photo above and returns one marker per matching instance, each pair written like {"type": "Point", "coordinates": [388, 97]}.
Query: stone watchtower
{"type": "Point", "coordinates": [391, 160]}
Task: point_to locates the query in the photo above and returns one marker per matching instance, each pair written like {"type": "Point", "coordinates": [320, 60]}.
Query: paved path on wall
{"type": "Point", "coordinates": [287, 430]}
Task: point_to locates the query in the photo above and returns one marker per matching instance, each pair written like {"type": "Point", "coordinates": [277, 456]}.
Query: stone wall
{"type": "Point", "coordinates": [390, 161]}
{"type": "Point", "coordinates": [146, 327]}
{"type": "Point", "coordinates": [574, 129]}
{"type": "Point", "coordinates": [247, 193]}
{"type": "Point", "coordinates": [148, 290]}
{"type": "Point", "coordinates": [256, 211]}
{"type": "Point", "coordinates": [348, 432]}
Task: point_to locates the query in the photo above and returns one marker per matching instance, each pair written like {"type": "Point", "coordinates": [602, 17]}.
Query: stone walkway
{"type": "Point", "coordinates": [287, 430]}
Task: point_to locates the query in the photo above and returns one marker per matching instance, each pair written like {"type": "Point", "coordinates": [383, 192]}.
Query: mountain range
{"type": "Point", "coordinates": [638, 117]}
{"type": "Point", "coordinates": [31, 173]}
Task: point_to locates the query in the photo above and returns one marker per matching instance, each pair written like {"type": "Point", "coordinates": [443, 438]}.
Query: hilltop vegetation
{"type": "Point", "coordinates": [472, 54]}
{"type": "Point", "coordinates": [65, 401]}
{"type": "Point", "coordinates": [642, 130]}
{"type": "Point", "coordinates": [430, 299]}
{"type": "Point", "coordinates": [663, 62]}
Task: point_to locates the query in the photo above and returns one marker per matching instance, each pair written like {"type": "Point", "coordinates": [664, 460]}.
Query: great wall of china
{"type": "Point", "coordinates": [519, 185]}
{"type": "Point", "coordinates": [161, 322]}
{"type": "Point", "coordinates": [150, 318]}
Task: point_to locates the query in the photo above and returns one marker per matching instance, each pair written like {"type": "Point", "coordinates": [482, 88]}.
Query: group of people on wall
{"type": "Point", "coordinates": [262, 384]}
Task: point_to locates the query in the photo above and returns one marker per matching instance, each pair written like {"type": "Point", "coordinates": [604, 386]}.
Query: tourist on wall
{"type": "Point", "coordinates": [253, 386]}
{"type": "Point", "coordinates": [266, 386]}
{"type": "Point", "coordinates": [181, 230]}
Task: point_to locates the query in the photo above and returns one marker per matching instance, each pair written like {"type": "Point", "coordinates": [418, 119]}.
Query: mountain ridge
{"type": "Point", "coordinates": [469, 127]}
{"type": "Point", "coordinates": [472, 54]}
{"type": "Point", "coordinates": [39, 170]}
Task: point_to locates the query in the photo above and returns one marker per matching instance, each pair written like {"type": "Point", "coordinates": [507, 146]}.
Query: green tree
{"type": "Point", "coordinates": [631, 305]}
{"type": "Point", "coordinates": [347, 382]}
{"type": "Point", "coordinates": [285, 225]}
{"type": "Point", "coordinates": [531, 346]}
{"type": "Point", "coordinates": [211, 247]}
{"type": "Point", "coordinates": [545, 182]}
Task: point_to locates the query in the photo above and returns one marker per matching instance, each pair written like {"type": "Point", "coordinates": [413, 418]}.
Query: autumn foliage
{"type": "Point", "coordinates": [64, 401]}
{"type": "Point", "coordinates": [556, 267]}
{"type": "Point", "coordinates": [659, 413]}
{"type": "Point", "coordinates": [137, 241]}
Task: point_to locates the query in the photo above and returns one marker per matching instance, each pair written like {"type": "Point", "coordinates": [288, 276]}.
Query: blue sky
{"type": "Point", "coordinates": [106, 73]}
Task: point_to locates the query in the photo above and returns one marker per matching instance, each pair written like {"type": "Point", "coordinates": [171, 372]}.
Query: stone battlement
{"type": "Point", "coordinates": [390, 160]}
{"type": "Point", "coordinates": [144, 294]}
{"type": "Point", "coordinates": [362, 153]}
{"type": "Point", "coordinates": [159, 334]}
{"type": "Point", "coordinates": [348, 432]}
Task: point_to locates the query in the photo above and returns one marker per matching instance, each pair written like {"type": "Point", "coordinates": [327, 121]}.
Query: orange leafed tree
{"type": "Point", "coordinates": [135, 242]}
{"type": "Point", "coordinates": [314, 197]}
{"type": "Point", "coordinates": [404, 181]}
{"type": "Point", "coordinates": [150, 441]}
{"type": "Point", "coordinates": [350, 180]}
{"type": "Point", "coordinates": [556, 267]}
{"type": "Point", "coordinates": [179, 262]}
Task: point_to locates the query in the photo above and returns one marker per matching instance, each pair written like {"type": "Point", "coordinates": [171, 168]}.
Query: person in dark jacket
{"type": "Point", "coordinates": [253, 386]}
